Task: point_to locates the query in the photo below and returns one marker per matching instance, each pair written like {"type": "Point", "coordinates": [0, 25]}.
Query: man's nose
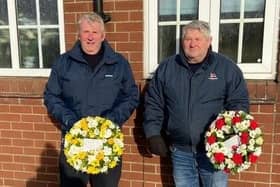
{"type": "Point", "coordinates": [90, 36]}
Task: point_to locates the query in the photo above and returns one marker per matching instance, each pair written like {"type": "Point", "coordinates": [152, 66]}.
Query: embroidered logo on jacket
{"type": "Point", "coordinates": [212, 76]}
{"type": "Point", "coordinates": [108, 75]}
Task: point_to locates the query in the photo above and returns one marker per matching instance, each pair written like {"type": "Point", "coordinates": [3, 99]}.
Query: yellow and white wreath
{"type": "Point", "coordinates": [93, 145]}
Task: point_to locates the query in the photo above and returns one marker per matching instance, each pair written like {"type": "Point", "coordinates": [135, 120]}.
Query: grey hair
{"type": "Point", "coordinates": [92, 17]}
{"type": "Point", "coordinates": [202, 26]}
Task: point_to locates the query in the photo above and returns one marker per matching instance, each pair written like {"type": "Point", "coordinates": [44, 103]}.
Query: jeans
{"type": "Point", "coordinates": [194, 170]}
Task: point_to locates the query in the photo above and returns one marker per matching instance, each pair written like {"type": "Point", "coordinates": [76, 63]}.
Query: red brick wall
{"type": "Point", "coordinates": [29, 138]}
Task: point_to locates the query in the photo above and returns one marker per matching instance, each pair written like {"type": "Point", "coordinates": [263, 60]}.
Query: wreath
{"type": "Point", "coordinates": [233, 141]}
{"type": "Point", "coordinates": [93, 145]}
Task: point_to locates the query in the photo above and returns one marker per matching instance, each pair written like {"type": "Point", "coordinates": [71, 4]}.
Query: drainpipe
{"type": "Point", "coordinates": [98, 8]}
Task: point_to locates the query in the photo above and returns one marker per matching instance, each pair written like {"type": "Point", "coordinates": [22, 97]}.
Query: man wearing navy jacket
{"type": "Point", "coordinates": [90, 80]}
{"type": "Point", "coordinates": [185, 95]}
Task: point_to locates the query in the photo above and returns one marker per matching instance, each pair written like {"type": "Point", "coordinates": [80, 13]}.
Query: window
{"type": "Point", "coordinates": [31, 36]}
{"type": "Point", "coordinates": [244, 30]}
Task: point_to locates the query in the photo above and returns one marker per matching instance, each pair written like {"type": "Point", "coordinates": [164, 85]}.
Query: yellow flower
{"type": "Point", "coordinates": [84, 124]}
{"type": "Point", "coordinates": [100, 155]}
{"type": "Point", "coordinates": [110, 141]}
{"type": "Point", "coordinates": [91, 134]}
{"type": "Point", "coordinates": [93, 170]}
{"type": "Point", "coordinates": [102, 133]}
{"type": "Point", "coordinates": [104, 126]}
{"type": "Point", "coordinates": [82, 155]}
{"type": "Point", "coordinates": [68, 137]}
{"type": "Point", "coordinates": [120, 136]}
{"type": "Point", "coordinates": [75, 141]}
{"type": "Point", "coordinates": [117, 149]}
{"type": "Point", "coordinates": [112, 164]}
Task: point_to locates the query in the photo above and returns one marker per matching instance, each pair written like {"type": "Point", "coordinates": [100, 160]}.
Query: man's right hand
{"type": "Point", "coordinates": [158, 146]}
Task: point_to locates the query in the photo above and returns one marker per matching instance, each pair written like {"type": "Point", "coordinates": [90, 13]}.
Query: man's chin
{"type": "Point", "coordinates": [91, 51]}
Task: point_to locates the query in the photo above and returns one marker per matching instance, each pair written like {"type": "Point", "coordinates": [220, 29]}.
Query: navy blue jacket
{"type": "Point", "coordinates": [74, 90]}
{"type": "Point", "coordinates": [183, 103]}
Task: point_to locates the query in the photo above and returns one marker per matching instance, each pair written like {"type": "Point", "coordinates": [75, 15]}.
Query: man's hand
{"type": "Point", "coordinates": [157, 146]}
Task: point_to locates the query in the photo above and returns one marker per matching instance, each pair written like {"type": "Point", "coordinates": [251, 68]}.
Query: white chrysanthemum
{"type": "Point", "coordinates": [74, 150]}
{"type": "Point", "coordinates": [116, 158]}
{"type": "Point", "coordinates": [241, 126]}
{"type": "Point", "coordinates": [242, 149]}
{"type": "Point", "coordinates": [258, 151]}
{"type": "Point", "coordinates": [252, 141]}
{"type": "Point", "coordinates": [106, 159]}
{"type": "Point", "coordinates": [107, 150]}
{"type": "Point", "coordinates": [246, 123]}
{"type": "Point", "coordinates": [104, 169]}
{"type": "Point", "coordinates": [96, 131]}
{"type": "Point", "coordinates": [220, 134]}
{"type": "Point", "coordinates": [226, 129]}
{"type": "Point", "coordinates": [208, 133]}
{"type": "Point", "coordinates": [258, 131]}
{"type": "Point", "coordinates": [77, 164]}
{"type": "Point", "coordinates": [215, 147]}
{"type": "Point", "coordinates": [108, 133]}
{"type": "Point", "coordinates": [112, 126]}
{"type": "Point", "coordinates": [92, 123]}
{"type": "Point", "coordinates": [119, 142]}
{"type": "Point", "coordinates": [207, 146]}
{"type": "Point", "coordinates": [251, 147]}
{"type": "Point", "coordinates": [252, 133]}
{"type": "Point", "coordinates": [222, 166]}
{"type": "Point", "coordinates": [76, 131]}
{"type": "Point", "coordinates": [230, 163]}
{"type": "Point", "coordinates": [228, 119]}
{"type": "Point", "coordinates": [249, 117]}
{"type": "Point", "coordinates": [245, 166]}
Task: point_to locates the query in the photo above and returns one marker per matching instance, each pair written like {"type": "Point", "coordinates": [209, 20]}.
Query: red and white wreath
{"type": "Point", "coordinates": [234, 141]}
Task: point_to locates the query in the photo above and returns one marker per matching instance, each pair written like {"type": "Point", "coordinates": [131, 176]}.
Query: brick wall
{"type": "Point", "coordinates": [30, 139]}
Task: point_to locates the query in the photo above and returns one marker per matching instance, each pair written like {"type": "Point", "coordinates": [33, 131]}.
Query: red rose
{"type": "Point", "coordinates": [253, 158]}
{"type": "Point", "coordinates": [220, 123]}
{"type": "Point", "coordinates": [253, 124]}
{"type": "Point", "coordinates": [211, 139]}
{"type": "Point", "coordinates": [237, 159]}
{"type": "Point", "coordinates": [219, 157]}
{"type": "Point", "coordinates": [235, 120]}
{"type": "Point", "coordinates": [244, 138]}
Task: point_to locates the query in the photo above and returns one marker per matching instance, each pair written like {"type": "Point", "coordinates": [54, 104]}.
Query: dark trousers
{"type": "Point", "coordinates": [69, 177]}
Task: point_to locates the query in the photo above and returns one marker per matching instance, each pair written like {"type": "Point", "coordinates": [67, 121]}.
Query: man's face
{"type": "Point", "coordinates": [195, 45]}
{"type": "Point", "coordinates": [91, 36]}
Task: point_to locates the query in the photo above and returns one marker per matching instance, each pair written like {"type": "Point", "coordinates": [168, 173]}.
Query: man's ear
{"type": "Point", "coordinates": [78, 36]}
{"type": "Point", "coordinates": [103, 36]}
{"type": "Point", "coordinates": [210, 39]}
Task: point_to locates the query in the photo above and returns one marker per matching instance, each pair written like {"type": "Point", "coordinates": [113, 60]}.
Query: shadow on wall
{"type": "Point", "coordinates": [47, 173]}
{"type": "Point", "coordinates": [139, 136]}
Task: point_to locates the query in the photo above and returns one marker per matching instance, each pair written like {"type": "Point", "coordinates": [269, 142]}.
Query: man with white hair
{"type": "Point", "coordinates": [91, 79]}
{"type": "Point", "coordinates": [185, 95]}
